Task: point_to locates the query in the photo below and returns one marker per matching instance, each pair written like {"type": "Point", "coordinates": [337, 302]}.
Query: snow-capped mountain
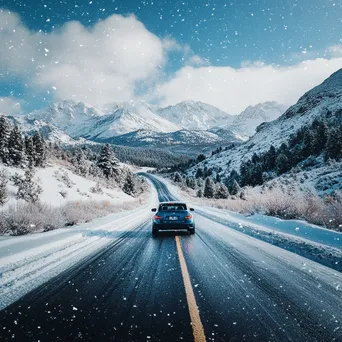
{"type": "Point", "coordinates": [246, 122]}
{"type": "Point", "coordinates": [79, 120]}
{"type": "Point", "coordinates": [323, 102]}
{"type": "Point", "coordinates": [195, 115]}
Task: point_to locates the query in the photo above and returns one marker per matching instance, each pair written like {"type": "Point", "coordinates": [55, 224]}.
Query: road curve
{"type": "Point", "coordinates": [136, 290]}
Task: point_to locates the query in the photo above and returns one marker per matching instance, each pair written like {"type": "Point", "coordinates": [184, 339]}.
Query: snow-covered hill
{"type": "Point", "coordinates": [60, 186]}
{"type": "Point", "coordinates": [324, 102]}
{"type": "Point", "coordinates": [180, 141]}
{"type": "Point", "coordinates": [247, 121]}
{"type": "Point", "coordinates": [195, 115]}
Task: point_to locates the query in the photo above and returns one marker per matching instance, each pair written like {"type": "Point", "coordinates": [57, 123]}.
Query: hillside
{"type": "Point", "coordinates": [323, 104]}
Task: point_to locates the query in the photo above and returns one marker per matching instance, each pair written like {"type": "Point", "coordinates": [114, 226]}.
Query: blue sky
{"type": "Point", "coordinates": [219, 33]}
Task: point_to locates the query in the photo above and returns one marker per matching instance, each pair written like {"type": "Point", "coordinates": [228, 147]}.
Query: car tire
{"type": "Point", "coordinates": [155, 231]}
{"type": "Point", "coordinates": [192, 231]}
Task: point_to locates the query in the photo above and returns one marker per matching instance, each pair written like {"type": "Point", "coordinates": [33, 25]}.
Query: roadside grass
{"type": "Point", "coordinates": [25, 218]}
{"type": "Point", "coordinates": [281, 201]}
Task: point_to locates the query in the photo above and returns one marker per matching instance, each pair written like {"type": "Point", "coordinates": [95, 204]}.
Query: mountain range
{"type": "Point", "coordinates": [187, 127]}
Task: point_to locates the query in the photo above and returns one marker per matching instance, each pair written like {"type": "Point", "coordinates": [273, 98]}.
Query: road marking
{"type": "Point", "coordinates": [197, 327]}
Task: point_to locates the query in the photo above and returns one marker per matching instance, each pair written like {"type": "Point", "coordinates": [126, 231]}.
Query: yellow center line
{"type": "Point", "coordinates": [197, 327]}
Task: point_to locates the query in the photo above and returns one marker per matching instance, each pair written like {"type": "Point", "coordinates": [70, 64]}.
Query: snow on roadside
{"type": "Point", "coordinates": [29, 261]}
{"type": "Point", "coordinates": [313, 242]}
{"type": "Point", "coordinates": [57, 180]}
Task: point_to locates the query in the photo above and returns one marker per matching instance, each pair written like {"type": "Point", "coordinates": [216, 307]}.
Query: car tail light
{"type": "Point", "coordinates": [188, 217]}
{"type": "Point", "coordinates": [157, 217]}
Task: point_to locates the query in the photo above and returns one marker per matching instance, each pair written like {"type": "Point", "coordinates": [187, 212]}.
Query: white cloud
{"type": "Point", "coordinates": [335, 50]}
{"type": "Point", "coordinates": [234, 89]}
{"type": "Point", "coordinates": [112, 59]}
{"type": "Point", "coordinates": [196, 60]}
{"type": "Point", "coordinates": [10, 106]}
{"type": "Point", "coordinates": [98, 65]}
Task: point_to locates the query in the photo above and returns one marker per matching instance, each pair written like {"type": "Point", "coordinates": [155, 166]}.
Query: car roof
{"type": "Point", "coordinates": [171, 202]}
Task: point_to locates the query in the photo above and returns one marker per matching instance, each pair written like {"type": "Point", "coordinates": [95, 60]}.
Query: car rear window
{"type": "Point", "coordinates": [172, 207]}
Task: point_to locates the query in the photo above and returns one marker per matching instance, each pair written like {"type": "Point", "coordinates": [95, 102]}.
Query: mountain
{"type": "Point", "coordinates": [246, 122]}
{"type": "Point", "coordinates": [195, 115]}
{"type": "Point", "coordinates": [323, 102]}
{"type": "Point", "coordinates": [79, 120]}
{"type": "Point", "coordinates": [183, 141]}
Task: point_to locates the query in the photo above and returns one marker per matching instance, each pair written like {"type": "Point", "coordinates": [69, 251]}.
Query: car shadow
{"type": "Point", "coordinates": [171, 233]}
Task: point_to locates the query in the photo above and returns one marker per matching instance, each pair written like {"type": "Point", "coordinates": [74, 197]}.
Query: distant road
{"type": "Point", "coordinates": [216, 285]}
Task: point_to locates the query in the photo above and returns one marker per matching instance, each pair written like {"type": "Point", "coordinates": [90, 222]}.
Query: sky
{"type": "Point", "coordinates": [230, 54]}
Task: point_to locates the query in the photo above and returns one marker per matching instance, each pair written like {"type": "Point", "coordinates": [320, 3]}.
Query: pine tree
{"type": "Point", "coordinates": [28, 189]}
{"type": "Point", "coordinates": [5, 131]}
{"type": "Point", "coordinates": [321, 135]}
{"type": "Point", "coordinates": [282, 164]}
{"type": "Point", "coordinates": [209, 188]}
{"type": "Point", "coordinates": [29, 150]}
{"type": "Point", "coordinates": [3, 187]}
{"type": "Point", "coordinates": [108, 163]}
{"type": "Point", "coordinates": [308, 143]}
{"type": "Point", "coordinates": [16, 148]}
{"type": "Point", "coordinates": [199, 173]}
{"type": "Point", "coordinates": [218, 178]}
{"type": "Point", "coordinates": [221, 191]}
{"type": "Point", "coordinates": [199, 193]}
{"type": "Point", "coordinates": [270, 158]}
{"type": "Point", "coordinates": [333, 148]}
{"type": "Point", "coordinates": [235, 188]}
{"type": "Point", "coordinates": [177, 178]}
{"type": "Point", "coordinates": [200, 158]}
{"type": "Point", "coordinates": [129, 186]}
{"type": "Point", "coordinates": [39, 148]}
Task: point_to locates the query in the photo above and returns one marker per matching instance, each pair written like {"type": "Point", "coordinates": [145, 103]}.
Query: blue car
{"type": "Point", "coordinates": [171, 216]}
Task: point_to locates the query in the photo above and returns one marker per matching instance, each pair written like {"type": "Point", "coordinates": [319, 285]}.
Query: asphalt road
{"type": "Point", "coordinates": [137, 290]}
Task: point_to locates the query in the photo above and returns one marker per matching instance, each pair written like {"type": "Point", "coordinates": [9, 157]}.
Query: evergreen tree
{"type": "Point", "coordinates": [321, 135]}
{"type": "Point", "coordinates": [235, 188]}
{"type": "Point", "coordinates": [16, 148]}
{"type": "Point", "coordinates": [30, 152]}
{"type": "Point", "coordinates": [28, 189]}
{"type": "Point", "coordinates": [221, 191]}
{"type": "Point", "coordinates": [218, 178]}
{"type": "Point", "coordinates": [270, 158]}
{"type": "Point", "coordinates": [200, 158]}
{"type": "Point", "coordinates": [199, 193]}
{"type": "Point", "coordinates": [308, 143]}
{"type": "Point", "coordinates": [108, 163]}
{"type": "Point", "coordinates": [282, 164]}
{"type": "Point", "coordinates": [129, 186]}
{"type": "Point", "coordinates": [39, 149]}
{"type": "Point", "coordinates": [199, 173]}
{"type": "Point", "coordinates": [5, 131]}
{"type": "Point", "coordinates": [177, 178]}
{"type": "Point", "coordinates": [334, 144]}
{"type": "Point", "coordinates": [192, 183]}
{"type": "Point", "coordinates": [209, 188]}
{"type": "Point", "coordinates": [3, 187]}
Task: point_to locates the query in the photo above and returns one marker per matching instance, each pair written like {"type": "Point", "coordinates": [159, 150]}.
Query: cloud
{"type": "Point", "coordinates": [10, 106]}
{"type": "Point", "coordinates": [233, 89]}
{"type": "Point", "coordinates": [335, 50]}
{"type": "Point", "coordinates": [118, 58]}
{"type": "Point", "coordinates": [98, 65]}
{"type": "Point", "coordinates": [196, 60]}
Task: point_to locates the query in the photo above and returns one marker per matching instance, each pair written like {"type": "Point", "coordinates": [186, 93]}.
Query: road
{"type": "Point", "coordinates": [218, 285]}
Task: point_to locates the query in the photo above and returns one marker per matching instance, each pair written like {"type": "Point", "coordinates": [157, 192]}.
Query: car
{"type": "Point", "coordinates": [173, 216]}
